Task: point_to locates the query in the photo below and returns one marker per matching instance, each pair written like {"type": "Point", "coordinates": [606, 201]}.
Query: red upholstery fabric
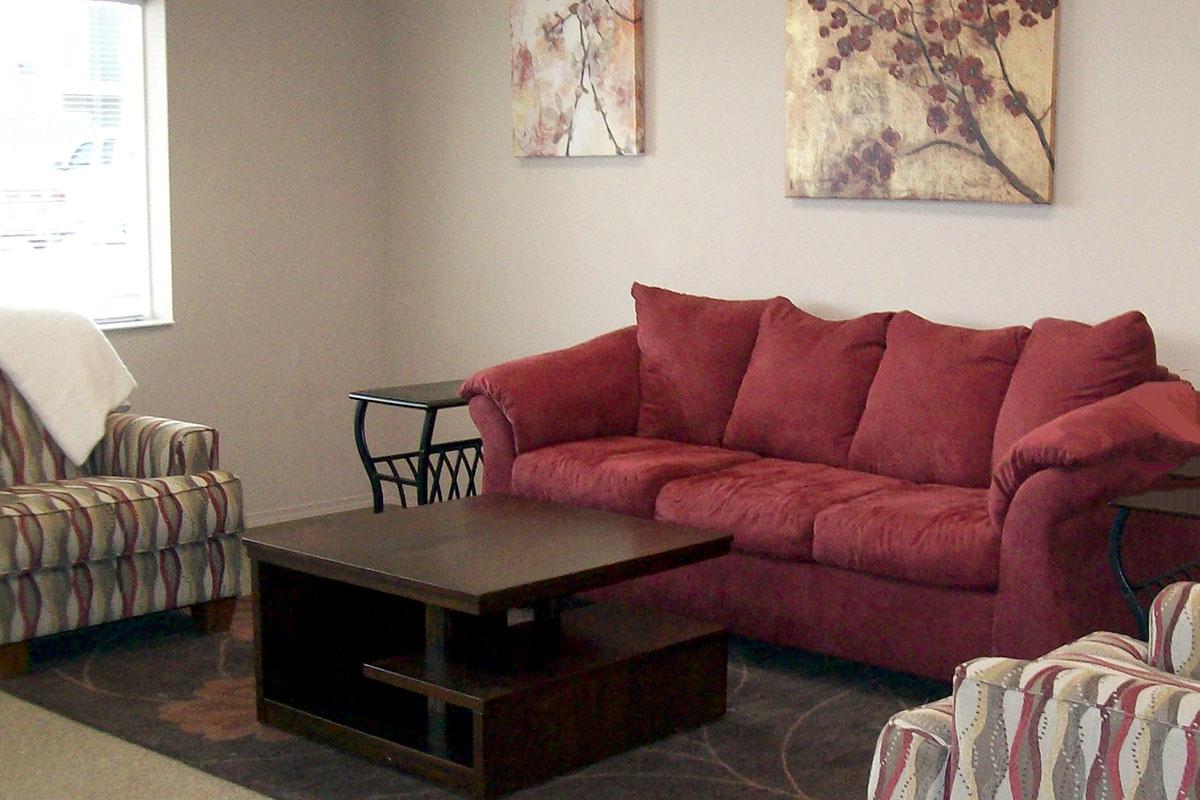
{"type": "Point", "coordinates": [932, 408]}
{"type": "Point", "coordinates": [1067, 365]}
{"type": "Point", "coordinates": [587, 390]}
{"type": "Point", "coordinates": [925, 630]}
{"type": "Point", "coordinates": [806, 386]}
{"type": "Point", "coordinates": [622, 474]}
{"type": "Point", "coordinates": [936, 535]}
{"type": "Point", "coordinates": [497, 434]}
{"type": "Point", "coordinates": [694, 352]}
{"type": "Point", "coordinates": [1054, 557]}
{"type": "Point", "coordinates": [1138, 435]}
{"type": "Point", "coordinates": [768, 505]}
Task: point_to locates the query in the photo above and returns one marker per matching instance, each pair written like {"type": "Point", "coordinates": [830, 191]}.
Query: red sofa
{"type": "Point", "coordinates": [900, 492]}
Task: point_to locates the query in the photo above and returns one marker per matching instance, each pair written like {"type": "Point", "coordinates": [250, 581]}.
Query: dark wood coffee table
{"type": "Point", "coordinates": [437, 638]}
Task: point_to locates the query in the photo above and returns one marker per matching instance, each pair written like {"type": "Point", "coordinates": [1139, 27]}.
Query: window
{"type": "Point", "coordinates": [83, 200]}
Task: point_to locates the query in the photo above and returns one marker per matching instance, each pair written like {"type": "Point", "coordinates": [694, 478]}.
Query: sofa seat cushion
{"type": "Point", "coordinates": [930, 534]}
{"type": "Point", "coordinates": [48, 525]}
{"type": "Point", "coordinates": [620, 473]}
{"type": "Point", "coordinates": [768, 506]}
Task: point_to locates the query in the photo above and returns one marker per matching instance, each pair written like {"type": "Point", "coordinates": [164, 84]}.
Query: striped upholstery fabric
{"type": "Point", "coordinates": [65, 598]}
{"type": "Point", "coordinates": [27, 453]}
{"type": "Point", "coordinates": [137, 446]}
{"type": "Point", "coordinates": [87, 519]}
{"type": "Point", "coordinates": [148, 524]}
{"type": "Point", "coordinates": [1106, 717]}
{"type": "Point", "coordinates": [1175, 630]}
{"type": "Point", "coordinates": [912, 753]}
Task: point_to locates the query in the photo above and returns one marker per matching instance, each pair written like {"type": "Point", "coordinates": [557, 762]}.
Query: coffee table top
{"type": "Point", "coordinates": [482, 555]}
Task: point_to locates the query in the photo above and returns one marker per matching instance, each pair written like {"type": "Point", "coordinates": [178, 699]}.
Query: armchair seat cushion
{"type": "Point", "coordinates": [71, 522]}
{"type": "Point", "coordinates": [930, 534]}
{"type": "Point", "coordinates": [620, 473]}
{"type": "Point", "coordinates": [768, 506]}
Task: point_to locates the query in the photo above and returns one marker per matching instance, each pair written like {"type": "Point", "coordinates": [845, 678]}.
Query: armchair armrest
{"type": "Point", "coordinates": [587, 390]}
{"type": "Point", "coordinates": [1019, 727]}
{"type": "Point", "coordinates": [136, 446]}
{"type": "Point", "coordinates": [1174, 634]}
{"type": "Point", "coordinates": [1141, 433]}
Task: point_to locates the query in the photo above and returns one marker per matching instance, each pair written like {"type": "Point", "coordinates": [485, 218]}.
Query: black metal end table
{"type": "Point", "coordinates": [424, 469]}
{"type": "Point", "coordinates": [1179, 496]}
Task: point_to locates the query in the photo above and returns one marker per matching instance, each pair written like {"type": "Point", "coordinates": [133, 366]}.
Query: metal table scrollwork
{"type": "Point", "coordinates": [436, 471]}
{"type": "Point", "coordinates": [1180, 497]}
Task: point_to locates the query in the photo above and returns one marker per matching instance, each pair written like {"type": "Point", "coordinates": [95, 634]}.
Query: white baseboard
{"type": "Point", "coordinates": [255, 519]}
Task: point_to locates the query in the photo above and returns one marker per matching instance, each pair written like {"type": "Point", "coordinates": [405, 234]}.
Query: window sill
{"type": "Point", "coordinates": [149, 322]}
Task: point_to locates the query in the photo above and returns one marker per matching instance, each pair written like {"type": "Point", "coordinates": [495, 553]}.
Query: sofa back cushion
{"type": "Point", "coordinates": [932, 408]}
{"type": "Point", "coordinates": [1067, 365]}
{"type": "Point", "coordinates": [27, 453]}
{"type": "Point", "coordinates": [694, 352]}
{"type": "Point", "coordinates": [807, 384]}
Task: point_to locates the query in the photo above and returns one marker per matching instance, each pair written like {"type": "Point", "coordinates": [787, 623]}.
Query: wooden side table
{"type": "Point", "coordinates": [424, 468]}
{"type": "Point", "coordinates": [1180, 497]}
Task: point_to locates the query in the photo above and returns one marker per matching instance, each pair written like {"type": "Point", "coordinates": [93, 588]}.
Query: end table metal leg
{"type": "Point", "coordinates": [422, 475]}
{"type": "Point", "coordinates": [1115, 535]}
{"type": "Point", "coordinates": [360, 442]}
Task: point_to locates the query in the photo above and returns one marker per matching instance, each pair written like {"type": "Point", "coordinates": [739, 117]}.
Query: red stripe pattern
{"type": "Point", "coordinates": [1093, 720]}
{"type": "Point", "coordinates": [147, 524]}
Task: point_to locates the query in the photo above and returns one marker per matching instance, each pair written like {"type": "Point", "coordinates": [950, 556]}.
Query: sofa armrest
{"type": "Point", "coordinates": [581, 392]}
{"type": "Point", "coordinates": [1140, 434]}
{"type": "Point", "coordinates": [136, 446]}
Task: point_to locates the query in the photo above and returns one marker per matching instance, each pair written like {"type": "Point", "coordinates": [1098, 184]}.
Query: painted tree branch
{"type": "Point", "coordinates": [1020, 96]}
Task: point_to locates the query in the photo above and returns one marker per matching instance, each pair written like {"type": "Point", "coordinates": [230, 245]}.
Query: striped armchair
{"type": "Point", "coordinates": [147, 524]}
{"type": "Point", "coordinates": [1106, 716]}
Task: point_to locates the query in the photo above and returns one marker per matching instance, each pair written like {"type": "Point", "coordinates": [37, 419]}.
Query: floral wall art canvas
{"type": "Point", "coordinates": [921, 99]}
{"type": "Point", "coordinates": [576, 77]}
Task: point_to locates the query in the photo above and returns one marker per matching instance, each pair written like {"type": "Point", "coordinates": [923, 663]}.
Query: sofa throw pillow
{"type": "Point", "coordinates": [694, 352]}
{"type": "Point", "coordinates": [1067, 365]}
{"type": "Point", "coordinates": [807, 384]}
{"type": "Point", "coordinates": [932, 408]}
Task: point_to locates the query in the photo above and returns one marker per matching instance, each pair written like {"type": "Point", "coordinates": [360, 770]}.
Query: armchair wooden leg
{"type": "Point", "coordinates": [14, 659]}
{"type": "Point", "coordinates": [215, 616]}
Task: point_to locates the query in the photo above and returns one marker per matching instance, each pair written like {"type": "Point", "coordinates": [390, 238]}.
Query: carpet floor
{"type": "Point", "coordinates": [798, 726]}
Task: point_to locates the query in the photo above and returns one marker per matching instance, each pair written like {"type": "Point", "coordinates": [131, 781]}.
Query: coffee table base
{"type": "Point", "coordinates": [358, 668]}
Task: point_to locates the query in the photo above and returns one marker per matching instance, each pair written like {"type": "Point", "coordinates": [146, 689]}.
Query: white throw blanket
{"type": "Point", "coordinates": [67, 371]}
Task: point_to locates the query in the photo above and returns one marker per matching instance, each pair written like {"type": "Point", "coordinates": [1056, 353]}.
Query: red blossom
{"type": "Point", "coordinates": [937, 119]}
{"type": "Point", "coordinates": [825, 85]}
{"type": "Point", "coordinates": [950, 28]}
{"type": "Point", "coordinates": [838, 19]}
{"type": "Point", "coordinates": [1028, 20]}
{"type": "Point", "coordinates": [891, 136]}
{"type": "Point", "coordinates": [860, 37]}
{"type": "Point", "coordinates": [887, 21]}
{"type": "Point", "coordinates": [834, 63]}
{"type": "Point", "coordinates": [938, 92]}
{"type": "Point", "coordinates": [1015, 104]}
{"type": "Point", "coordinates": [824, 31]}
{"type": "Point", "coordinates": [818, 5]}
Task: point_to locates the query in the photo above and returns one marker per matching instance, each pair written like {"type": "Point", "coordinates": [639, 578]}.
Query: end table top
{"type": "Point", "coordinates": [482, 555]}
{"type": "Point", "coordinates": [442, 394]}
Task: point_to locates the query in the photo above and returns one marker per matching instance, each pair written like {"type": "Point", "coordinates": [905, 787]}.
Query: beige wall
{"type": "Point", "coordinates": [347, 213]}
{"type": "Point", "coordinates": [524, 255]}
{"type": "Point", "coordinates": [279, 193]}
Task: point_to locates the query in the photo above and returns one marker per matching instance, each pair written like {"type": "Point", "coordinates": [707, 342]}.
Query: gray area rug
{"type": "Point", "coordinates": [799, 726]}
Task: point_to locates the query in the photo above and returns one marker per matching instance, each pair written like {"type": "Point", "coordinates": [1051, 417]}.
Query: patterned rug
{"type": "Point", "coordinates": [799, 726]}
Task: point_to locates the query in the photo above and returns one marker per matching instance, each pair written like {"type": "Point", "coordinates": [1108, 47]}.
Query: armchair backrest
{"type": "Point", "coordinates": [27, 453]}
{"type": "Point", "coordinates": [1175, 630]}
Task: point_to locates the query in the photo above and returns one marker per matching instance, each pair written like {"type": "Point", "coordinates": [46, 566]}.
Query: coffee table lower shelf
{"type": "Point", "coordinates": [618, 677]}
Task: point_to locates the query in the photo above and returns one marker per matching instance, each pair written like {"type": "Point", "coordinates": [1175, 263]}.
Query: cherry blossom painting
{"type": "Point", "coordinates": [921, 99]}
{"type": "Point", "coordinates": [576, 77]}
